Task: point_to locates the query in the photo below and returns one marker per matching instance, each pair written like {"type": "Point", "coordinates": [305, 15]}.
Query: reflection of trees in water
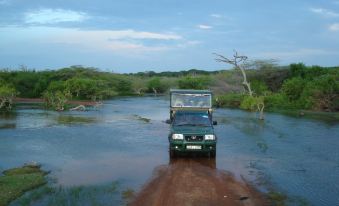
{"type": "Point", "coordinates": [7, 120]}
{"type": "Point", "coordinates": [250, 126]}
{"type": "Point", "coordinates": [8, 115]}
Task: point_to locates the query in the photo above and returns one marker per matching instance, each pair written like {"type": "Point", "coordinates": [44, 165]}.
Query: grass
{"type": "Point", "coordinates": [128, 195]}
{"type": "Point", "coordinates": [143, 119]}
{"type": "Point", "coordinates": [68, 119]}
{"type": "Point", "coordinates": [277, 198]}
{"type": "Point", "coordinates": [35, 195]}
{"type": "Point", "coordinates": [15, 182]}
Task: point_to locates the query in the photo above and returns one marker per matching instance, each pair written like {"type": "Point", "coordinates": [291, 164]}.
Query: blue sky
{"type": "Point", "coordinates": [159, 35]}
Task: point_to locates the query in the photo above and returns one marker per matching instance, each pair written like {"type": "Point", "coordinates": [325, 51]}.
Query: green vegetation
{"type": "Point", "coordinates": [277, 199]}
{"type": "Point", "coordinates": [128, 195]}
{"type": "Point", "coordinates": [19, 180]}
{"type": "Point", "coordinates": [308, 88]}
{"type": "Point", "coordinates": [192, 82]}
{"type": "Point", "coordinates": [7, 93]}
{"type": "Point", "coordinates": [74, 195]}
{"type": "Point", "coordinates": [291, 87]}
{"type": "Point", "coordinates": [143, 119]}
{"type": "Point", "coordinates": [69, 119]}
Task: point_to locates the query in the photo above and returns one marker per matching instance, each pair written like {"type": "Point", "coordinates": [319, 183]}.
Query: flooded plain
{"type": "Point", "coordinates": [105, 156]}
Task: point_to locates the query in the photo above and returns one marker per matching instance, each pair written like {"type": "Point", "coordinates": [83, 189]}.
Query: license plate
{"type": "Point", "coordinates": [193, 147]}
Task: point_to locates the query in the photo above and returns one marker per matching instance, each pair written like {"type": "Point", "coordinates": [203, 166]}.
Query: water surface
{"type": "Point", "coordinates": [124, 140]}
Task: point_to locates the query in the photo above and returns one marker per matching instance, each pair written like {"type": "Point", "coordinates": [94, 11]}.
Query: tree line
{"type": "Point", "coordinates": [296, 86]}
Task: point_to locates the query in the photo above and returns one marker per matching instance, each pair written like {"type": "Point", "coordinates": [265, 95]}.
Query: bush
{"type": "Point", "coordinates": [298, 70]}
{"type": "Point", "coordinates": [56, 100]}
{"type": "Point", "coordinates": [277, 101]}
{"type": "Point", "coordinates": [259, 87]}
{"type": "Point", "coordinates": [190, 82]}
{"type": "Point", "coordinates": [293, 88]}
{"type": "Point", "coordinates": [250, 102]}
{"type": "Point", "coordinates": [157, 84]}
{"type": "Point", "coordinates": [321, 94]}
{"type": "Point", "coordinates": [7, 93]}
{"type": "Point", "coordinates": [229, 100]}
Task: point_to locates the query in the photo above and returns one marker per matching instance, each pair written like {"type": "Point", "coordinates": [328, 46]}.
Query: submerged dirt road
{"type": "Point", "coordinates": [187, 182]}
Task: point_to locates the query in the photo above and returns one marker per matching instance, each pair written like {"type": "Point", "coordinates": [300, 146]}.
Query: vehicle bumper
{"type": "Point", "coordinates": [181, 146]}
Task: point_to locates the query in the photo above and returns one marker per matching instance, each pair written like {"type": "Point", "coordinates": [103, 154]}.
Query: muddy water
{"type": "Point", "coordinates": [125, 140]}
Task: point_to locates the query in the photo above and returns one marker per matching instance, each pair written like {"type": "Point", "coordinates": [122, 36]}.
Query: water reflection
{"type": "Point", "coordinates": [7, 120]}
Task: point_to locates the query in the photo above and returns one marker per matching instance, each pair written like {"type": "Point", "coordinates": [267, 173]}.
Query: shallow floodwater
{"type": "Point", "coordinates": [123, 141]}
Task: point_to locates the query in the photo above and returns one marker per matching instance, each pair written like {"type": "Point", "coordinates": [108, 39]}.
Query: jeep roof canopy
{"type": "Point", "coordinates": [190, 99]}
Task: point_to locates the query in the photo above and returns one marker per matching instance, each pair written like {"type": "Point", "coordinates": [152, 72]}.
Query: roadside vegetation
{"type": "Point", "coordinates": [293, 87]}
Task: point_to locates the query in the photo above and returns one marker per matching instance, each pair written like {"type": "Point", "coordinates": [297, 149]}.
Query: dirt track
{"type": "Point", "coordinates": [186, 182]}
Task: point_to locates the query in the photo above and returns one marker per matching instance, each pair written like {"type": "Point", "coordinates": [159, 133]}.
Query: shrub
{"type": "Point", "coordinates": [56, 100]}
{"type": "Point", "coordinates": [277, 101]}
{"type": "Point", "coordinates": [7, 93]}
{"type": "Point", "coordinates": [321, 93]}
{"type": "Point", "coordinates": [157, 84]}
{"type": "Point", "coordinates": [189, 82]}
{"type": "Point", "coordinates": [249, 103]}
{"type": "Point", "coordinates": [259, 87]}
{"type": "Point", "coordinates": [229, 100]}
{"type": "Point", "coordinates": [293, 88]}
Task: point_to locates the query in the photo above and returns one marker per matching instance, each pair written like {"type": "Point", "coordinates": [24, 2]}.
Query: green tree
{"type": "Point", "coordinates": [298, 70]}
{"type": "Point", "coordinates": [124, 86]}
{"type": "Point", "coordinates": [56, 100]}
{"type": "Point", "coordinates": [155, 85]}
{"type": "Point", "coordinates": [7, 94]}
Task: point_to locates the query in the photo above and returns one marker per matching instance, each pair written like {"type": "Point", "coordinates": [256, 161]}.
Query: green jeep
{"type": "Point", "coordinates": [191, 122]}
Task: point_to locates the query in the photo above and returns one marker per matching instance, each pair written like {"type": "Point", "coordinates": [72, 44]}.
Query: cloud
{"type": "Point", "coordinates": [216, 16]}
{"type": "Point", "coordinates": [203, 26]}
{"type": "Point", "coordinates": [121, 34]}
{"type": "Point", "coordinates": [324, 12]}
{"type": "Point", "coordinates": [118, 41]}
{"type": "Point", "coordinates": [334, 27]}
{"type": "Point", "coordinates": [53, 16]}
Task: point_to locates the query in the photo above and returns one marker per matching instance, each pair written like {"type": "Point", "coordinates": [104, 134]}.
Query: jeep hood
{"type": "Point", "coordinates": [192, 130]}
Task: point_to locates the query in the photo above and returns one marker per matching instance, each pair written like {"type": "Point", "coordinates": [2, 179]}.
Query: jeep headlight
{"type": "Point", "coordinates": [209, 137]}
{"type": "Point", "coordinates": [178, 136]}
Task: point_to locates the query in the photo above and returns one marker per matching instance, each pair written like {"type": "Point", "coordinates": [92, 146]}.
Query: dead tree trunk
{"type": "Point", "coordinates": [261, 107]}
{"type": "Point", "coordinates": [236, 62]}
{"type": "Point", "coordinates": [155, 91]}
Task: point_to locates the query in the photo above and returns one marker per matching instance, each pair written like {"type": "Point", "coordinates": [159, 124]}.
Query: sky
{"type": "Point", "coordinates": [165, 35]}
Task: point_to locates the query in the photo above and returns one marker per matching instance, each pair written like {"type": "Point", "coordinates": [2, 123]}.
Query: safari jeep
{"type": "Point", "coordinates": [191, 122]}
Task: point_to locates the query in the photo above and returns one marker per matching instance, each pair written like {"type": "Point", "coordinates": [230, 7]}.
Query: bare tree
{"type": "Point", "coordinates": [155, 91]}
{"type": "Point", "coordinates": [238, 61]}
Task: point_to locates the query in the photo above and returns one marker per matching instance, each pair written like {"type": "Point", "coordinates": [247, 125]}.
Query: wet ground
{"type": "Point", "coordinates": [106, 156]}
{"type": "Point", "coordinates": [196, 181]}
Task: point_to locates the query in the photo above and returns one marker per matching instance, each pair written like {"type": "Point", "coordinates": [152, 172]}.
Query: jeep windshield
{"type": "Point", "coordinates": [192, 119]}
{"type": "Point", "coordinates": [191, 100]}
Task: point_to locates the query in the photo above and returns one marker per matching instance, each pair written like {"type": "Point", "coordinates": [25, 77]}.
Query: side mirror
{"type": "Point", "coordinates": [168, 121]}
{"type": "Point", "coordinates": [215, 123]}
